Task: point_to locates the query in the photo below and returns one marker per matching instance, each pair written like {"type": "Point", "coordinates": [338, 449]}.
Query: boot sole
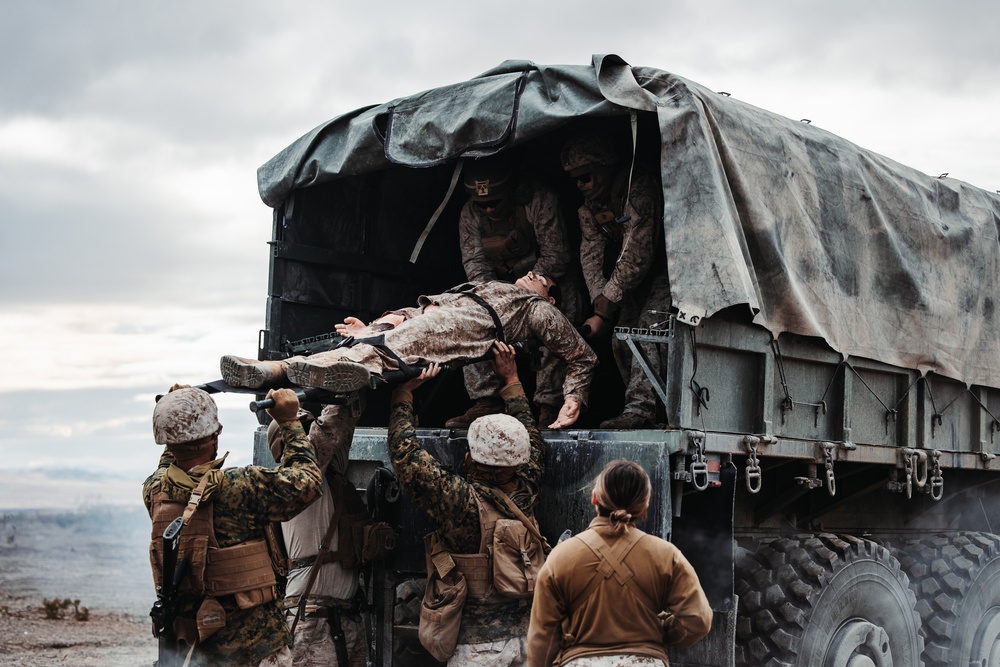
{"type": "Point", "coordinates": [340, 377]}
{"type": "Point", "coordinates": [237, 373]}
{"type": "Point", "coordinates": [628, 424]}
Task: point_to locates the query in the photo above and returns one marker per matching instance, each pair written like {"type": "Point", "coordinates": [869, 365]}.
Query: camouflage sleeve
{"type": "Point", "coordinates": [639, 244]}
{"type": "Point", "coordinates": [470, 240]}
{"type": "Point", "coordinates": [166, 458]}
{"type": "Point", "coordinates": [276, 494]}
{"type": "Point", "coordinates": [592, 243]}
{"type": "Point", "coordinates": [550, 230]}
{"type": "Point", "coordinates": [446, 498]}
{"type": "Point", "coordinates": [563, 340]}
{"type": "Point", "coordinates": [407, 313]}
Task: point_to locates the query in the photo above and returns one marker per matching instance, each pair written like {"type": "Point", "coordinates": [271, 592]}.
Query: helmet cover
{"type": "Point", "coordinates": [486, 178]}
{"type": "Point", "coordinates": [585, 151]}
{"type": "Point", "coordinates": [183, 416]}
{"type": "Point", "coordinates": [498, 440]}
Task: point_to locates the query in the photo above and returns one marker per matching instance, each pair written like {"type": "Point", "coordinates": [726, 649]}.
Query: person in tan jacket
{"type": "Point", "coordinates": [613, 595]}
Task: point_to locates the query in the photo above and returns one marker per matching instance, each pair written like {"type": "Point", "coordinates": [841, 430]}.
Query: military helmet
{"type": "Point", "coordinates": [587, 150]}
{"type": "Point", "coordinates": [185, 415]}
{"type": "Point", "coordinates": [498, 440]}
{"type": "Point", "coordinates": [487, 178]}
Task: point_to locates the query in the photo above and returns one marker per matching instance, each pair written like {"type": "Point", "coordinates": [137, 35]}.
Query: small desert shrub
{"type": "Point", "coordinates": [56, 609]}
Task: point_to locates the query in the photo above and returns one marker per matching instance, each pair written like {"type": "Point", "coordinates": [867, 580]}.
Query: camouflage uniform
{"type": "Point", "coordinates": [244, 501]}
{"type": "Point", "coordinates": [548, 253]}
{"type": "Point", "coordinates": [459, 328]}
{"type": "Point", "coordinates": [335, 586]}
{"type": "Point", "coordinates": [615, 661]}
{"type": "Point", "coordinates": [490, 634]}
{"type": "Point", "coordinates": [624, 264]}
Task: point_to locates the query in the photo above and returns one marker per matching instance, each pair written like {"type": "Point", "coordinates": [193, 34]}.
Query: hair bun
{"type": "Point", "coordinates": [620, 516]}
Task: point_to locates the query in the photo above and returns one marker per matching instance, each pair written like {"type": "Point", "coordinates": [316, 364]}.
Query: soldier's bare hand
{"type": "Point", "coordinates": [351, 326]}
{"type": "Point", "coordinates": [596, 325]}
{"type": "Point", "coordinates": [504, 362]}
{"type": "Point", "coordinates": [286, 405]}
{"type": "Point", "coordinates": [412, 384]}
{"type": "Point", "coordinates": [568, 414]}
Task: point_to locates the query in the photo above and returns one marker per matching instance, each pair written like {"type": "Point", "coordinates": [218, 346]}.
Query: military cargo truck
{"type": "Point", "coordinates": [832, 387]}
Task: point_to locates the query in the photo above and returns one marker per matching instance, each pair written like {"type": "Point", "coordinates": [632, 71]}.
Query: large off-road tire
{"type": "Point", "coordinates": [956, 579]}
{"type": "Point", "coordinates": [824, 601]}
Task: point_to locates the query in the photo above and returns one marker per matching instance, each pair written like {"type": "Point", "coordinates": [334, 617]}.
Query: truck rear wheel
{"type": "Point", "coordinates": [825, 601]}
{"type": "Point", "coordinates": [956, 579]}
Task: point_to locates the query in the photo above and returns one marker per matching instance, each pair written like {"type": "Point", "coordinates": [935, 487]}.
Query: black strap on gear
{"type": "Point", "coordinates": [337, 635]}
{"type": "Point", "coordinates": [497, 325]}
{"type": "Point", "coordinates": [405, 372]}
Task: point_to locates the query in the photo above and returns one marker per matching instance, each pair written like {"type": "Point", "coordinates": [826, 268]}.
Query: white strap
{"type": "Point", "coordinates": [437, 214]}
{"type": "Point", "coordinates": [628, 192]}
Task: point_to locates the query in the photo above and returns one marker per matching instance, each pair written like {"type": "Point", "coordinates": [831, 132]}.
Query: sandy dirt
{"type": "Point", "coordinates": [28, 638]}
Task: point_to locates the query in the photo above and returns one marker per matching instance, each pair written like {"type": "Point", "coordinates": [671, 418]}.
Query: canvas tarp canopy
{"type": "Point", "coordinates": [816, 235]}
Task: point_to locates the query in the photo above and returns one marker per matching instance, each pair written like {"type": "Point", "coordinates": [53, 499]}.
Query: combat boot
{"type": "Point", "coordinates": [482, 407]}
{"type": "Point", "coordinates": [338, 376]}
{"type": "Point", "coordinates": [547, 414]}
{"type": "Point", "coordinates": [628, 420]}
{"type": "Point", "coordinates": [251, 373]}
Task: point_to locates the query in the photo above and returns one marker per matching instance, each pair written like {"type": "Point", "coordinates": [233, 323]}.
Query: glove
{"type": "Point", "coordinates": [286, 405]}
{"type": "Point", "coordinates": [606, 309]}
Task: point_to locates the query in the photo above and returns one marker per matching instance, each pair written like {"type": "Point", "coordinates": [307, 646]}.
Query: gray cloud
{"type": "Point", "coordinates": [130, 134]}
{"type": "Point", "coordinates": [103, 430]}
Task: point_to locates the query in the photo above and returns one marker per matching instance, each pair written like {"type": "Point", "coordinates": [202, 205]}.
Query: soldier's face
{"type": "Point", "coordinates": [591, 182]}
{"type": "Point", "coordinates": [494, 209]}
{"type": "Point", "coordinates": [536, 282]}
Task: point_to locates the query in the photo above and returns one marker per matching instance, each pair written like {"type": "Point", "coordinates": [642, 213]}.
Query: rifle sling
{"type": "Point", "coordinates": [195, 499]}
{"type": "Point", "coordinates": [512, 506]}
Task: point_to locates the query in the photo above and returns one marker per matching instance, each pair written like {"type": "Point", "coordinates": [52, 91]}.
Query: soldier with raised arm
{"type": "Point", "coordinates": [228, 615]}
{"type": "Point", "coordinates": [623, 260]}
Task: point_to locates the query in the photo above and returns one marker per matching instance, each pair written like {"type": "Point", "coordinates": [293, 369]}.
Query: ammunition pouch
{"type": "Point", "coordinates": [244, 571]}
{"type": "Point", "coordinates": [378, 542]}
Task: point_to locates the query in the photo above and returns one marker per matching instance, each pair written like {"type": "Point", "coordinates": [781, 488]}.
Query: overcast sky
{"type": "Point", "coordinates": [133, 243]}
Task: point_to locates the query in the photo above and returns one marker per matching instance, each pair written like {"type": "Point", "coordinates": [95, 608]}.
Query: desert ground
{"type": "Point", "coordinates": [28, 638]}
{"type": "Point", "coordinates": [97, 555]}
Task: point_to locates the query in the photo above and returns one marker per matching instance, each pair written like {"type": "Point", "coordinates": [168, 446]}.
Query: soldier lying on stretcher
{"type": "Point", "coordinates": [460, 324]}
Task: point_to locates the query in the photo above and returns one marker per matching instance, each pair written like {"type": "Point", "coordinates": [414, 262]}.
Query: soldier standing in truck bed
{"type": "Point", "coordinates": [512, 224]}
{"type": "Point", "coordinates": [623, 260]}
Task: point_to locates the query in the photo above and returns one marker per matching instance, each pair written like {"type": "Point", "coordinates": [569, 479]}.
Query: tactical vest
{"type": "Point", "coordinates": [245, 570]}
{"type": "Point", "coordinates": [479, 568]}
{"type": "Point", "coordinates": [606, 215]}
{"type": "Point", "coordinates": [351, 517]}
{"type": "Point", "coordinates": [510, 245]}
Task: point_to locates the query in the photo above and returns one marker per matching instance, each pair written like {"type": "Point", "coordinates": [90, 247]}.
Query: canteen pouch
{"type": "Point", "coordinates": [517, 558]}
